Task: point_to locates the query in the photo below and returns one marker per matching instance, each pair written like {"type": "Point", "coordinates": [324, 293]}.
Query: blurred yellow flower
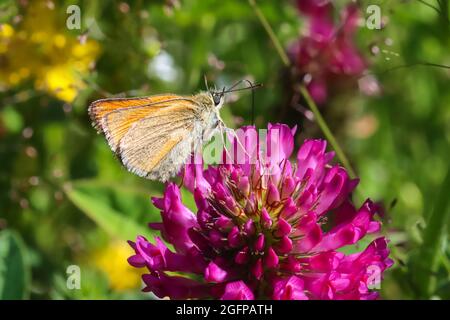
{"type": "Point", "coordinates": [61, 81]}
{"type": "Point", "coordinates": [41, 48]}
{"type": "Point", "coordinates": [112, 260]}
{"type": "Point", "coordinates": [6, 31]}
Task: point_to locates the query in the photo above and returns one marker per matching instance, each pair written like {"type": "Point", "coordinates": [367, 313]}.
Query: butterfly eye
{"type": "Point", "coordinates": [216, 98]}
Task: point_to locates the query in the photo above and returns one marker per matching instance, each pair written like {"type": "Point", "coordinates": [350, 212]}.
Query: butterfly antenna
{"type": "Point", "coordinates": [252, 86]}
{"type": "Point", "coordinates": [253, 108]}
{"type": "Point", "coordinates": [235, 85]}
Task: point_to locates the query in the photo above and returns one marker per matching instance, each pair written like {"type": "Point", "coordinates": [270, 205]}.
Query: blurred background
{"type": "Point", "coordinates": [65, 200]}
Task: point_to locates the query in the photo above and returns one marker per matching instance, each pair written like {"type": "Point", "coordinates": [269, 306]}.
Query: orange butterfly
{"type": "Point", "coordinates": [154, 136]}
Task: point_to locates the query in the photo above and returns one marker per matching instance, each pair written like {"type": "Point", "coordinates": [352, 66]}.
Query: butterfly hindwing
{"type": "Point", "coordinates": [157, 146]}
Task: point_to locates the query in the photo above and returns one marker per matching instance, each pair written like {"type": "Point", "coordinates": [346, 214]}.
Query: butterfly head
{"type": "Point", "coordinates": [218, 96]}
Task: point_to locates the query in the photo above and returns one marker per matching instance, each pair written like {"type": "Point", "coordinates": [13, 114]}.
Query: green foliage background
{"type": "Point", "coordinates": [84, 199]}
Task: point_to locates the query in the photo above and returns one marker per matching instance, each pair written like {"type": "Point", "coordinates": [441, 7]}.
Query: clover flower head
{"type": "Point", "coordinates": [264, 236]}
{"type": "Point", "coordinates": [327, 52]}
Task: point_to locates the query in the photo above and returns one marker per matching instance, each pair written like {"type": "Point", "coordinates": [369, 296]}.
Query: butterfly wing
{"type": "Point", "coordinates": [152, 135]}
{"type": "Point", "coordinates": [114, 117]}
{"type": "Point", "coordinates": [157, 146]}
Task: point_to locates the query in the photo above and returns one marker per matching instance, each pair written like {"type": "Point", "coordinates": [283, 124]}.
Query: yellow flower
{"type": "Point", "coordinates": [61, 81]}
{"type": "Point", "coordinates": [41, 48]}
{"type": "Point", "coordinates": [112, 260]}
{"type": "Point", "coordinates": [6, 31]}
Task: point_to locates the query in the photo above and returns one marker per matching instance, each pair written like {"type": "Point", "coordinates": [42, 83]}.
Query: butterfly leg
{"type": "Point", "coordinates": [237, 140]}
{"type": "Point", "coordinates": [222, 128]}
{"type": "Point", "coordinates": [182, 177]}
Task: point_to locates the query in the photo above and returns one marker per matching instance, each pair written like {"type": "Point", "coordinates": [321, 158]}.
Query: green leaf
{"type": "Point", "coordinates": [14, 271]}
{"type": "Point", "coordinates": [8, 8]}
{"type": "Point", "coordinates": [123, 212]}
{"type": "Point", "coordinates": [12, 119]}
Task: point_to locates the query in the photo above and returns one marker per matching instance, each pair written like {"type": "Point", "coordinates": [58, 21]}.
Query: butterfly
{"type": "Point", "coordinates": [154, 136]}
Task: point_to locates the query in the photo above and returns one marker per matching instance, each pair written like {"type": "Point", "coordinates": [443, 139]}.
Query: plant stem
{"type": "Point", "coordinates": [270, 32]}
{"type": "Point", "coordinates": [327, 132]}
{"type": "Point", "coordinates": [311, 104]}
{"type": "Point", "coordinates": [428, 257]}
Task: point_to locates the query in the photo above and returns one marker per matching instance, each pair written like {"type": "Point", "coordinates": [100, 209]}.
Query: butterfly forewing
{"type": "Point", "coordinates": [120, 113]}
{"type": "Point", "coordinates": [100, 108]}
{"type": "Point", "coordinates": [143, 132]}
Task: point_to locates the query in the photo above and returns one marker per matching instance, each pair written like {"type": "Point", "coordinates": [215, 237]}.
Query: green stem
{"type": "Point", "coordinates": [443, 5]}
{"type": "Point", "coordinates": [311, 104]}
{"type": "Point", "coordinates": [428, 257]}
{"type": "Point", "coordinates": [327, 132]}
{"type": "Point", "coordinates": [270, 32]}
